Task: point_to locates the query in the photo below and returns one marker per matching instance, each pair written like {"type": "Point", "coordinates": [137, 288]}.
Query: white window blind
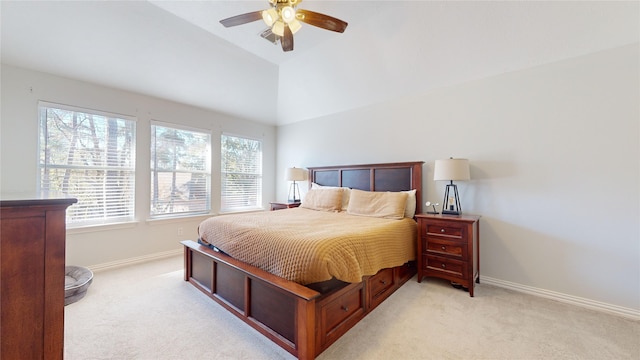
{"type": "Point", "coordinates": [180, 171]}
{"type": "Point", "coordinates": [90, 156]}
{"type": "Point", "coordinates": [241, 173]}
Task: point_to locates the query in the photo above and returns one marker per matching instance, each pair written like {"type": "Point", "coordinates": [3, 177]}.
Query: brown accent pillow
{"type": "Point", "coordinates": [390, 205]}
{"type": "Point", "coordinates": [329, 199]}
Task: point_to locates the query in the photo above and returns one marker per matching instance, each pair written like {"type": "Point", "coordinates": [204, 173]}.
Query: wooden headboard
{"type": "Point", "coordinates": [372, 177]}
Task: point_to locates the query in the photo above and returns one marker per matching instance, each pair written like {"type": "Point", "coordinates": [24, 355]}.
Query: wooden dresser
{"type": "Point", "coordinates": [449, 248]}
{"type": "Point", "coordinates": [32, 261]}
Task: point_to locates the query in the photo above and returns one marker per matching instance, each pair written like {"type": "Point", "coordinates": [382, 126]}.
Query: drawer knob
{"type": "Point", "coordinates": [345, 308]}
{"type": "Point", "coordinates": [441, 230]}
{"type": "Point", "coordinates": [444, 266]}
{"type": "Point", "coordinates": [383, 282]}
{"type": "Point", "coordinates": [444, 248]}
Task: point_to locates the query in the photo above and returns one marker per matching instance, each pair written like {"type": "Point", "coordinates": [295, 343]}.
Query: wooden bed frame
{"type": "Point", "coordinates": [301, 320]}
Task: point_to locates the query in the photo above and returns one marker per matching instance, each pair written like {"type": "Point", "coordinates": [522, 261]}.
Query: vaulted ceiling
{"type": "Point", "coordinates": [178, 50]}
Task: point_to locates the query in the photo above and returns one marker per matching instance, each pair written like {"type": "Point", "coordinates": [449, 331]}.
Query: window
{"type": "Point", "coordinates": [180, 171]}
{"type": "Point", "coordinates": [91, 156]}
{"type": "Point", "coordinates": [241, 173]}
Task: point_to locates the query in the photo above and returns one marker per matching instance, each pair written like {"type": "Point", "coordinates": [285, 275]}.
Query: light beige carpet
{"type": "Point", "coordinates": [148, 312]}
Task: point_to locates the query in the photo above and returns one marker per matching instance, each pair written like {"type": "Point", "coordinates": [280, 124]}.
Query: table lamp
{"type": "Point", "coordinates": [294, 174]}
{"type": "Point", "coordinates": [449, 170]}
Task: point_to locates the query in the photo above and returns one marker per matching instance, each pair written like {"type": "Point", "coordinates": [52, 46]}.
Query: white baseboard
{"type": "Point", "coordinates": [135, 260]}
{"type": "Point", "coordinates": [569, 299]}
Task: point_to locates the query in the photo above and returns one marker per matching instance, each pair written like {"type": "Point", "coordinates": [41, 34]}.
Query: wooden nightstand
{"type": "Point", "coordinates": [276, 205]}
{"type": "Point", "coordinates": [449, 248]}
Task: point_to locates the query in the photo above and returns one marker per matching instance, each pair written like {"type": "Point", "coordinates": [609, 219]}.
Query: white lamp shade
{"type": "Point", "coordinates": [294, 174]}
{"type": "Point", "coordinates": [451, 169]}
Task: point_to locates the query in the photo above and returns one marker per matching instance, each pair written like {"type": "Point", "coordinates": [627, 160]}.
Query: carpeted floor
{"type": "Point", "coordinates": [147, 311]}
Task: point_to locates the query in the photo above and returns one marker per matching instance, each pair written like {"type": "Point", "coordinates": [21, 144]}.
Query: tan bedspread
{"type": "Point", "coordinates": [308, 246]}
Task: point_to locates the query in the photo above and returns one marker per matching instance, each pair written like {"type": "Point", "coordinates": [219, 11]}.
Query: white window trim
{"type": "Point", "coordinates": [42, 103]}
{"type": "Point", "coordinates": [258, 207]}
{"type": "Point", "coordinates": [97, 225]}
{"type": "Point", "coordinates": [184, 215]}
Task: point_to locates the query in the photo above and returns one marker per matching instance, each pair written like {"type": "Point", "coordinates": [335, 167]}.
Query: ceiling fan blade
{"type": "Point", "coordinates": [242, 19]}
{"type": "Point", "coordinates": [287, 39]}
{"type": "Point", "coordinates": [321, 20]}
{"type": "Point", "coordinates": [270, 36]}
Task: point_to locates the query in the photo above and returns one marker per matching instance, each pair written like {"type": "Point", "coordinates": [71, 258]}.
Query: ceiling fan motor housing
{"type": "Point", "coordinates": [287, 2]}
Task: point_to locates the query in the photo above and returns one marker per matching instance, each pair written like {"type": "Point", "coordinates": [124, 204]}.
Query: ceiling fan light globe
{"type": "Point", "coordinates": [278, 28]}
{"type": "Point", "coordinates": [288, 14]}
{"type": "Point", "coordinates": [295, 25]}
{"type": "Point", "coordinates": [269, 16]}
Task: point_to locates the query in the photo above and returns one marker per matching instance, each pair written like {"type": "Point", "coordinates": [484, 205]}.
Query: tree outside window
{"type": "Point", "coordinates": [88, 155]}
{"type": "Point", "coordinates": [180, 171]}
{"type": "Point", "coordinates": [241, 172]}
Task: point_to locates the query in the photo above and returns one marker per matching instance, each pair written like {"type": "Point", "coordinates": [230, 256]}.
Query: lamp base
{"type": "Point", "coordinates": [454, 207]}
{"type": "Point", "coordinates": [294, 193]}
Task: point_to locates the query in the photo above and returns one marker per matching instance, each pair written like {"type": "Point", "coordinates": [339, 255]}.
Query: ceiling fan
{"type": "Point", "coordinates": [283, 20]}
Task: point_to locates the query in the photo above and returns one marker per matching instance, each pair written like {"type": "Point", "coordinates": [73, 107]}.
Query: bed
{"type": "Point", "coordinates": [305, 319]}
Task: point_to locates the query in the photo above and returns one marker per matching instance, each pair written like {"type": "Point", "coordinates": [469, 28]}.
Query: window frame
{"type": "Point", "coordinates": [207, 171]}
{"type": "Point", "coordinates": [259, 180]}
{"type": "Point", "coordinates": [41, 164]}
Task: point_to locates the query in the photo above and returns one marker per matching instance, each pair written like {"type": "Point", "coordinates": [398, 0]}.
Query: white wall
{"type": "Point", "coordinates": [442, 43]}
{"type": "Point", "coordinates": [21, 91]}
{"type": "Point", "coordinates": [554, 154]}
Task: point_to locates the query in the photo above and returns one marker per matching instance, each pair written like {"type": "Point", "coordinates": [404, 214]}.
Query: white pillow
{"type": "Point", "coordinates": [409, 212]}
{"type": "Point", "coordinates": [390, 205]}
{"type": "Point", "coordinates": [346, 192]}
{"type": "Point", "coordinates": [410, 209]}
{"type": "Point", "coordinates": [323, 199]}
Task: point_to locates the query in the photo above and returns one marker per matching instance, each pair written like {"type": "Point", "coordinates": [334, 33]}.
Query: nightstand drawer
{"type": "Point", "coordinates": [449, 230]}
{"type": "Point", "coordinates": [439, 246]}
{"type": "Point", "coordinates": [446, 266]}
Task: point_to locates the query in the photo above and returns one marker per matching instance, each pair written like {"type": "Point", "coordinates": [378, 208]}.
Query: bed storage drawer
{"type": "Point", "coordinates": [340, 312]}
{"type": "Point", "coordinates": [405, 272]}
{"type": "Point", "coordinates": [378, 285]}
